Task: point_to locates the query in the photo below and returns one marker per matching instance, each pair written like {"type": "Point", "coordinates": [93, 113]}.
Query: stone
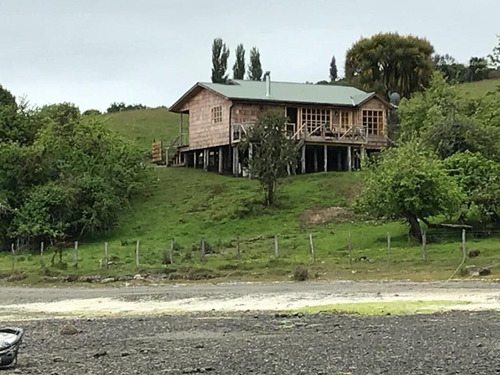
{"type": "Point", "coordinates": [138, 277]}
{"type": "Point", "coordinates": [108, 280]}
{"type": "Point", "coordinates": [125, 354]}
{"type": "Point", "coordinates": [57, 359]}
{"type": "Point", "coordinates": [100, 353]}
{"type": "Point", "coordinates": [69, 329]}
{"type": "Point", "coordinates": [484, 272]}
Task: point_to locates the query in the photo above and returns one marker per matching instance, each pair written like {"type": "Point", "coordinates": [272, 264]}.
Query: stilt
{"type": "Point", "coordinates": [250, 156]}
{"type": "Point", "coordinates": [363, 156]}
{"type": "Point", "coordinates": [236, 161]}
{"type": "Point", "coordinates": [205, 159]}
{"type": "Point", "coordinates": [195, 159]}
{"type": "Point", "coordinates": [325, 158]}
{"type": "Point", "coordinates": [303, 161]}
{"type": "Point", "coordinates": [220, 160]}
{"type": "Point", "coordinates": [315, 159]}
{"type": "Point", "coordinates": [339, 159]}
{"type": "Point", "coordinates": [167, 156]}
{"type": "Point", "coordinates": [349, 158]}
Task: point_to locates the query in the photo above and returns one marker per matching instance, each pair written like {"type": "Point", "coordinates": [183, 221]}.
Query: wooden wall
{"type": "Point", "coordinates": [243, 112]}
{"type": "Point", "coordinates": [202, 132]}
{"type": "Point", "coordinates": [372, 104]}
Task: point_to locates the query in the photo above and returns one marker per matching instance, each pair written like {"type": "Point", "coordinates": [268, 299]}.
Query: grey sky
{"type": "Point", "coordinates": [94, 52]}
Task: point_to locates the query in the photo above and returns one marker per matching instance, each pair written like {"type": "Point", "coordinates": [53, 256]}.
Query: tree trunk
{"type": "Point", "coordinates": [414, 230]}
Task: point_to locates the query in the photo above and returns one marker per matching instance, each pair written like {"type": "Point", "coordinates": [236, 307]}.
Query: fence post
{"type": "Point", "coordinates": [238, 255]}
{"type": "Point", "coordinates": [13, 249]}
{"type": "Point", "coordinates": [75, 255]}
{"type": "Point", "coordinates": [312, 247]}
{"type": "Point", "coordinates": [203, 258]}
{"type": "Point", "coordinates": [276, 246]}
{"type": "Point", "coordinates": [388, 247]}
{"type": "Point", "coordinates": [424, 245]}
{"type": "Point", "coordinates": [171, 253]}
{"type": "Point", "coordinates": [137, 246]}
{"type": "Point", "coordinates": [463, 245]}
{"type": "Point", "coordinates": [106, 260]}
{"type": "Point", "coordinates": [349, 245]}
{"type": "Point", "coordinates": [42, 259]}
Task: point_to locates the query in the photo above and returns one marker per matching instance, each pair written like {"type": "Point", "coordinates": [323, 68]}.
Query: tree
{"type": "Point", "coordinates": [220, 55]}
{"type": "Point", "coordinates": [91, 112]}
{"type": "Point", "coordinates": [479, 179]}
{"type": "Point", "coordinates": [389, 63]}
{"type": "Point", "coordinates": [333, 70]}
{"type": "Point", "coordinates": [6, 98]}
{"type": "Point", "coordinates": [452, 71]}
{"type": "Point", "coordinates": [272, 152]}
{"type": "Point", "coordinates": [478, 69]}
{"type": "Point", "coordinates": [239, 64]}
{"type": "Point", "coordinates": [409, 183]}
{"type": "Point", "coordinates": [494, 57]}
{"type": "Point", "coordinates": [61, 113]}
{"type": "Point", "coordinates": [255, 67]}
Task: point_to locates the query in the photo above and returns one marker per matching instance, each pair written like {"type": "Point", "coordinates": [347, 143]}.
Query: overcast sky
{"type": "Point", "coordinates": [95, 52]}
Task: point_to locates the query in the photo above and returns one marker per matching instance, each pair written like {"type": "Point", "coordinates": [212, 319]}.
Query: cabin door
{"type": "Point", "coordinates": [291, 113]}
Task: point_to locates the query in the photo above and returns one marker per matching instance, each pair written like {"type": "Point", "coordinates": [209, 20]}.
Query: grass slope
{"type": "Point", "coordinates": [144, 126]}
{"type": "Point", "coordinates": [188, 204]}
{"type": "Point", "coordinates": [479, 88]}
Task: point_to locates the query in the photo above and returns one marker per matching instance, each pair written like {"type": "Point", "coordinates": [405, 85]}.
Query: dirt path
{"type": "Point", "coordinates": [23, 303]}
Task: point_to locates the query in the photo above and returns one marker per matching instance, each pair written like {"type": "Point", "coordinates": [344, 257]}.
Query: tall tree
{"type": "Point", "coordinates": [272, 152]}
{"type": "Point", "coordinates": [478, 69]}
{"type": "Point", "coordinates": [453, 71]}
{"type": "Point", "coordinates": [494, 57]}
{"type": "Point", "coordinates": [255, 67]}
{"type": "Point", "coordinates": [333, 70]}
{"type": "Point", "coordinates": [239, 64]}
{"type": "Point", "coordinates": [220, 55]}
{"type": "Point", "coordinates": [390, 63]}
{"type": "Point", "coordinates": [6, 98]}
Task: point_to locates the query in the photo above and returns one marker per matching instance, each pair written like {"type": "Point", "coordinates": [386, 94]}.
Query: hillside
{"type": "Point", "coordinates": [144, 126]}
{"type": "Point", "coordinates": [479, 88]}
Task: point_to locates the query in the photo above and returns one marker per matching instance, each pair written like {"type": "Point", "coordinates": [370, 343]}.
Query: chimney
{"type": "Point", "coordinates": [267, 76]}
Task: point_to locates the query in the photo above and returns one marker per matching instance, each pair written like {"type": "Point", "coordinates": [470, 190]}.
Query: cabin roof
{"type": "Point", "coordinates": [281, 92]}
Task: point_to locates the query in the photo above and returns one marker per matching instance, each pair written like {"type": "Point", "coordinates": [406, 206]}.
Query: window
{"type": "Point", "coordinates": [312, 118]}
{"type": "Point", "coordinates": [373, 121]}
{"type": "Point", "coordinates": [345, 120]}
{"type": "Point", "coordinates": [216, 115]}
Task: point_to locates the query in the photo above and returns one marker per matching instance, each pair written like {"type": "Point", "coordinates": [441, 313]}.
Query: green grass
{"type": "Point", "coordinates": [385, 308]}
{"type": "Point", "coordinates": [188, 204]}
{"type": "Point", "coordinates": [479, 88]}
{"type": "Point", "coordinates": [144, 126]}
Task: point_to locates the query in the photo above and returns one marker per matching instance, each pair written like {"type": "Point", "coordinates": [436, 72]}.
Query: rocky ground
{"type": "Point", "coordinates": [264, 343]}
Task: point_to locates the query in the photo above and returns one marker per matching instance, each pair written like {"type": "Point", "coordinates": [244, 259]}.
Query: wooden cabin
{"type": "Point", "coordinates": [333, 125]}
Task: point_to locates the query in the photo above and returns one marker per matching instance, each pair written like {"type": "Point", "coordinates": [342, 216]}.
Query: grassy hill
{"type": "Point", "coordinates": [478, 89]}
{"type": "Point", "coordinates": [144, 126]}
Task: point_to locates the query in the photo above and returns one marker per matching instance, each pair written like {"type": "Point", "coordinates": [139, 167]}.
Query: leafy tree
{"type": "Point", "coordinates": [119, 107]}
{"type": "Point", "coordinates": [272, 152]}
{"type": "Point", "coordinates": [333, 70]}
{"type": "Point", "coordinates": [220, 55]}
{"type": "Point", "coordinates": [478, 69]}
{"type": "Point", "coordinates": [91, 112]}
{"type": "Point", "coordinates": [409, 183]}
{"type": "Point", "coordinates": [6, 98]}
{"type": "Point", "coordinates": [61, 113]}
{"type": "Point", "coordinates": [239, 64]}
{"type": "Point", "coordinates": [390, 63]}
{"type": "Point", "coordinates": [479, 179]}
{"type": "Point", "coordinates": [494, 57]}
{"type": "Point", "coordinates": [255, 67]}
{"type": "Point", "coordinates": [452, 71]}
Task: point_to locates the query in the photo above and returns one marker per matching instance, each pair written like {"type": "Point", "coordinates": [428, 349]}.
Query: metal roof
{"type": "Point", "coordinates": [290, 92]}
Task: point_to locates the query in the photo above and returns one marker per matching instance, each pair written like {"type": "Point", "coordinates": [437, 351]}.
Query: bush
{"type": "Point", "coordinates": [300, 274]}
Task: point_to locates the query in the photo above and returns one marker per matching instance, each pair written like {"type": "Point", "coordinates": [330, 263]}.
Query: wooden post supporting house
{"type": "Point", "coordinates": [325, 158]}
{"type": "Point", "coordinates": [195, 157]}
{"type": "Point", "coordinates": [349, 158]}
{"type": "Point", "coordinates": [205, 159]}
{"type": "Point", "coordinates": [303, 161]}
{"type": "Point", "coordinates": [315, 159]}
{"type": "Point", "coordinates": [339, 159]}
{"type": "Point", "coordinates": [250, 157]}
{"type": "Point", "coordinates": [220, 160]}
{"type": "Point", "coordinates": [236, 161]}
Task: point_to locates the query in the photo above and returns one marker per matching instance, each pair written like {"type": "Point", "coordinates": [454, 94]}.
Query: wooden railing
{"type": "Point", "coordinates": [242, 129]}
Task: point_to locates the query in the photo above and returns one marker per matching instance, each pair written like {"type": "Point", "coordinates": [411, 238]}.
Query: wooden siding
{"type": "Point", "coordinates": [202, 132]}
{"type": "Point", "coordinates": [243, 112]}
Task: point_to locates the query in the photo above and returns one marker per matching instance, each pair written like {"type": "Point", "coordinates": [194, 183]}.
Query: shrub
{"type": "Point", "coordinates": [300, 274]}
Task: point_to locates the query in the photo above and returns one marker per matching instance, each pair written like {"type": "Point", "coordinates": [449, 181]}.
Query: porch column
{"type": "Point", "coordinates": [325, 156]}
{"type": "Point", "coordinates": [303, 161]}
{"type": "Point", "coordinates": [220, 160]}
{"type": "Point", "coordinates": [205, 159]}
{"type": "Point", "coordinates": [195, 158]}
{"type": "Point", "coordinates": [315, 159]}
{"type": "Point", "coordinates": [339, 159]}
{"type": "Point", "coordinates": [349, 158]}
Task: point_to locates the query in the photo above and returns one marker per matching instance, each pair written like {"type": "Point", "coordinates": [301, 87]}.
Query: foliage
{"type": "Point", "coordinates": [119, 107]}
{"type": "Point", "coordinates": [452, 71]}
{"type": "Point", "coordinates": [62, 175]}
{"type": "Point", "coordinates": [6, 98]}
{"type": "Point", "coordinates": [255, 67]}
{"type": "Point", "coordinates": [478, 69]}
{"type": "Point", "coordinates": [272, 152]}
{"type": "Point", "coordinates": [494, 57]}
{"type": "Point", "coordinates": [239, 64]}
{"type": "Point", "coordinates": [220, 55]}
{"type": "Point", "coordinates": [390, 63]}
{"type": "Point", "coordinates": [333, 70]}
{"type": "Point", "coordinates": [409, 183]}
{"type": "Point", "coordinates": [479, 179]}
{"type": "Point", "coordinates": [92, 112]}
